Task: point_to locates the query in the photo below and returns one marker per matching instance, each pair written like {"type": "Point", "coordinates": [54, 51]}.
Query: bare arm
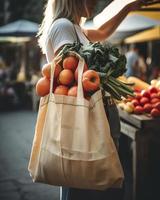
{"type": "Point", "coordinates": [104, 31]}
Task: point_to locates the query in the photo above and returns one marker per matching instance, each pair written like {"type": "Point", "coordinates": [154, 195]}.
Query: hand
{"type": "Point", "coordinates": [137, 4]}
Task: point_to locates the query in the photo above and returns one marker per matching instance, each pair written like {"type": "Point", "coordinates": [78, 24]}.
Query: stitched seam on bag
{"type": "Point", "coordinates": [103, 157]}
{"type": "Point", "coordinates": [90, 107]}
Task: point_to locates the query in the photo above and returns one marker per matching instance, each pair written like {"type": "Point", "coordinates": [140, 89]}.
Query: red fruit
{"type": "Point", "coordinates": [138, 90]}
{"type": "Point", "coordinates": [145, 93]}
{"type": "Point", "coordinates": [157, 105]}
{"type": "Point", "coordinates": [73, 91]}
{"type": "Point", "coordinates": [42, 86]}
{"type": "Point", "coordinates": [158, 94]}
{"type": "Point", "coordinates": [66, 77]}
{"type": "Point", "coordinates": [129, 99]}
{"type": "Point", "coordinates": [138, 96]}
{"type": "Point", "coordinates": [61, 90]}
{"type": "Point", "coordinates": [155, 112]}
{"type": "Point", "coordinates": [138, 110]}
{"type": "Point", "coordinates": [154, 100]}
{"type": "Point", "coordinates": [152, 89]}
{"type": "Point", "coordinates": [70, 62]}
{"type": "Point", "coordinates": [144, 100]}
{"type": "Point", "coordinates": [147, 107]}
{"type": "Point", "coordinates": [76, 72]}
{"type": "Point", "coordinates": [154, 95]}
{"type": "Point", "coordinates": [46, 70]}
{"type": "Point", "coordinates": [90, 80]}
{"type": "Point", "coordinates": [135, 102]}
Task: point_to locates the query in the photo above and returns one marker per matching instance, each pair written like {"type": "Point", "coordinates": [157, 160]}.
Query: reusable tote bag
{"type": "Point", "coordinates": [72, 145]}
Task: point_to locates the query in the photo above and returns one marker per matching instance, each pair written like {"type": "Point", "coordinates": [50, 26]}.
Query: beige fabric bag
{"type": "Point", "coordinates": [72, 145]}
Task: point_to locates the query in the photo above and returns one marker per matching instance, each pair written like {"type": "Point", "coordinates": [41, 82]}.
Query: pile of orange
{"type": "Point", "coordinates": [66, 79]}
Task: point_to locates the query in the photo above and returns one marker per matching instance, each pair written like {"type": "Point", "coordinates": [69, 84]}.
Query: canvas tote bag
{"type": "Point", "coordinates": [72, 145]}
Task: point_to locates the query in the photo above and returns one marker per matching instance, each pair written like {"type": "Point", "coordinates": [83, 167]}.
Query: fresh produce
{"type": "Point", "coordinates": [70, 62]}
{"type": "Point", "coordinates": [155, 112]}
{"type": "Point", "coordinates": [46, 70]}
{"type": "Point", "coordinates": [104, 61]}
{"type": "Point", "coordinates": [61, 90]}
{"type": "Point", "coordinates": [138, 110]}
{"type": "Point", "coordinates": [128, 107]}
{"type": "Point", "coordinates": [156, 83]}
{"type": "Point", "coordinates": [147, 107]}
{"type": "Point", "coordinates": [138, 84]}
{"type": "Point", "coordinates": [108, 62]}
{"type": "Point", "coordinates": [90, 80]}
{"type": "Point", "coordinates": [42, 86]}
{"type": "Point", "coordinates": [66, 77]}
{"type": "Point", "coordinates": [145, 102]}
{"type": "Point", "coordinates": [72, 91]}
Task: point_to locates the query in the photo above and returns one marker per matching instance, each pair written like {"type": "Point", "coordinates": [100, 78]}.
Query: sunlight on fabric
{"type": "Point", "coordinates": [111, 10]}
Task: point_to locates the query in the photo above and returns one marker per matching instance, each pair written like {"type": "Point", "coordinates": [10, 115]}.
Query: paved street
{"type": "Point", "coordinates": [16, 134]}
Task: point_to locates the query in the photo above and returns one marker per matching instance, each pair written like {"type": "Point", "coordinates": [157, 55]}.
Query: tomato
{"type": "Point", "coordinates": [138, 95]}
{"type": "Point", "coordinates": [138, 110]}
{"type": "Point", "coordinates": [135, 102]}
{"type": "Point", "coordinates": [152, 89]}
{"type": "Point", "coordinates": [147, 107]}
{"type": "Point", "coordinates": [144, 100]}
{"type": "Point", "coordinates": [155, 100]}
{"type": "Point", "coordinates": [155, 112]}
{"type": "Point", "coordinates": [145, 93]}
{"type": "Point", "coordinates": [157, 105]}
{"type": "Point", "coordinates": [154, 95]}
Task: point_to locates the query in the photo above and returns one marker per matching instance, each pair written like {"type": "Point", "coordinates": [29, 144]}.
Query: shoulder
{"type": "Point", "coordinates": [61, 24]}
{"type": "Point", "coordinates": [62, 21]}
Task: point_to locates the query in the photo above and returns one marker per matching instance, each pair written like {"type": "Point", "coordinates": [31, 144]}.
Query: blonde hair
{"type": "Point", "coordinates": [70, 9]}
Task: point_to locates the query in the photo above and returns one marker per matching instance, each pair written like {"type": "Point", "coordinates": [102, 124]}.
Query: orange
{"type": "Point", "coordinates": [70, 62]}
{"type": "Point", "coordinates": [42, 86]}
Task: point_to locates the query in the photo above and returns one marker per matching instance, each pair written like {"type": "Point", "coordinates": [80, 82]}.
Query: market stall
{"type": "Point", "coordinates": [18, 36]}
{"type": "Point", "coordinates": [143, 131]}
{"type": "Point", "coordinates": [140, 119]}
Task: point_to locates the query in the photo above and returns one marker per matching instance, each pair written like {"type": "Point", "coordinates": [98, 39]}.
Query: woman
{"type": "Point", "coordinates": [60, 26]}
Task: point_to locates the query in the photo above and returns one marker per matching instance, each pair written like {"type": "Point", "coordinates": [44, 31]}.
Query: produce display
{"type": "Point", "coordinates": [146, 100]}
{"type": "Point", "coordinates": [103, 66]}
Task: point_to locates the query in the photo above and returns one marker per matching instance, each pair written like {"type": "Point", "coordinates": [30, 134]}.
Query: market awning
{"type": "Point", "coordinates": [152, 11]}
{"type": "Point", "coordinates": [19, 28]}
{"type": "Point", "coordinates": [149, 35]}
{"type": "Point", "coordinates": [14, 39]}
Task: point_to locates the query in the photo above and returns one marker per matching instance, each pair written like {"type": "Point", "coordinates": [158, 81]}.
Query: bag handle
{"type": "Point", "coordinates": [53, 66]}
{"type": "Point", "coordinates": [80, 67]}
{"type": "Point", "coordinates": [80, 72]}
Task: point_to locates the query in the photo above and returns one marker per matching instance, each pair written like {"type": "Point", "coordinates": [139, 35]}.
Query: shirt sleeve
{"type": "Point", "coordinates": [62, 32]}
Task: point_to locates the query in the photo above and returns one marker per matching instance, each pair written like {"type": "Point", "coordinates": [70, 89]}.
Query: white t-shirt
{"type": "Point", "coordinates": [62, 32]}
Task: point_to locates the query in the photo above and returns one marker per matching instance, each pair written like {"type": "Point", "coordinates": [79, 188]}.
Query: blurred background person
{"type": "Point", "coordinates": [132, 57]}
